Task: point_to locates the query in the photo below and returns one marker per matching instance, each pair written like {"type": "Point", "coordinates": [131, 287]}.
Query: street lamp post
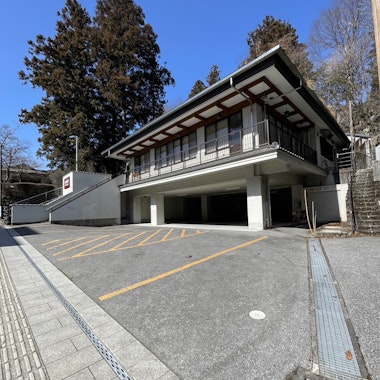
{"type": "Point", "coordinates": [76, 150]}
{"type": "Point", "coordinates": [1, 181]}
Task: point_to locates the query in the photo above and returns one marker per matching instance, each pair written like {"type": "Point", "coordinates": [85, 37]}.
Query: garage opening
{"type": "Point", "coordinates": [281, 205]}
{"type": "Point", "coordinates": [193, 210]}
{"type": "Point", "coordinates": [228, 209]}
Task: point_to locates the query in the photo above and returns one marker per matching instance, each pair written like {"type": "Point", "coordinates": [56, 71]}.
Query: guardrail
{"type": "Point", "coordinates": [42, 198]}
{"type": "Point", "coordinates": [354, 160]}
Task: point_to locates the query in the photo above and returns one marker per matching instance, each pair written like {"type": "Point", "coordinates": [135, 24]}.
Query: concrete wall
{"type": "Point", "coordinates": [99, 207]}
{"type": "Point", "coordinates": [29, 214]}
{"type": "Point", "coordinates": [77, 181]}
{"type": "Point", "coordinates": [329, 202]}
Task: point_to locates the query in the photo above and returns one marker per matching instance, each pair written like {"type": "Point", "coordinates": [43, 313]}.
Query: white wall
{"type": "Point", "coordinates": [100, 206]}
{"type": "Point", "coordinates": [77, 181]}
{"type": "Point", "coordinates": [329, 202]}
{"type": "Point", "coordinates": [22, 213]}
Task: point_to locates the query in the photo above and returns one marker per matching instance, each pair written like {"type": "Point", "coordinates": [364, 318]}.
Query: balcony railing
{"type": "Point", "coordinates": [261, 136]}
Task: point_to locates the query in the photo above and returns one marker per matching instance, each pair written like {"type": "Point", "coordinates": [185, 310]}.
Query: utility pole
{"type": "Point", "coordinates": [1, 180]}
{"type": "Point", "coordinates": [376, 22]}
{"type": "Point", "coordinates": [76, 150]}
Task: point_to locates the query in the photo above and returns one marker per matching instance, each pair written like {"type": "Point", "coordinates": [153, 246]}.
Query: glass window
{"type": "Point", "coordinates": [177, 150]}
{"type": "Point", "coordinates": [210, 138]}
{"type": "Point", "coordinates": [193, 144]}
{"type": "Point", "coordinates": [142, 163]}
{"type": "Point", "coordinates": [221, 133]}
{"type": "Point", "coordinates": [235, 121]}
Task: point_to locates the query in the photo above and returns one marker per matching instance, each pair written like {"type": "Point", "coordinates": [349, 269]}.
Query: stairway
{"type": "Point", "coordinates": [366, 201]}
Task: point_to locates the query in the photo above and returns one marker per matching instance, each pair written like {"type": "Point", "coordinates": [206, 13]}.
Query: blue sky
{"type": "Point", "coordinates": [192, 35]}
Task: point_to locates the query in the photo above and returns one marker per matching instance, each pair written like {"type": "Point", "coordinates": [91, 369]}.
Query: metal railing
{"type": "Point", "coordinates": [42, 198]}
{"type": "Point", "coordinates": [354, 160]}
{"type": "Point", "coordinates": [262, 136]}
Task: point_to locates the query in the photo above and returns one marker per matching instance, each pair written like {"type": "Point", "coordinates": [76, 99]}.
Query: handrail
{"type": "Point", "coordinates": [354, 160]}
{"type": "Point", "coordinates": [262, 135]}
{"type": "Point", "coordinates": [72, 197]}
{"type": "Point", "coordinates": [42, 198]}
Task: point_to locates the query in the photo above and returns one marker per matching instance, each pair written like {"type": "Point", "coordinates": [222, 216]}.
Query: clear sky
{"type": "Point", "coordinates": [192, 35]}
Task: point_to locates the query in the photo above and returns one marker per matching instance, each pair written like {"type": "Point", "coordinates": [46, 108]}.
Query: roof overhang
{"type": "Point", "coordinates": [271, 80]}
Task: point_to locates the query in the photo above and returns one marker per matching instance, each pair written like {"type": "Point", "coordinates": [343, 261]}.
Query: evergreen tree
{"type": "Point", "coordinates": [101, 79]}
{"type": "Point", "coordinates": [212, 77]}
{"type": "Point", "coordinates": [274, 32]}
{"type": "Point", "coordinates": [62, 67]}
{"type": "Point", "coordinates": [129, 77]}
{"type": "Point", "coordinates": [198, 87]}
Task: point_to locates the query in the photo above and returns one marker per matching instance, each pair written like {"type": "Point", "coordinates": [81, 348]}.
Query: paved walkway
{"type": "Point", "coordinates": [43, 336]}
{"type": "Point", "coordinates": [50, 329]}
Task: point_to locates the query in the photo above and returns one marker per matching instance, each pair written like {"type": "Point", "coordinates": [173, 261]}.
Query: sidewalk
{"type": "Point", "coordinates": [49, 329]}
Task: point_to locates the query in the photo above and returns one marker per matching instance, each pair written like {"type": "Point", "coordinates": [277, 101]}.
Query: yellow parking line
{"type": "Point", "coordinates": [120, 246]}
{"type": "Point", "coordinates": [183, 233]}
{"type": "Point", "coordinates": [51, 242]}
{"type": "Point", "coordinates": [126, 241]}
{"type": "Point", "coordinates": [149, 237]}
{"type": "Point", "coordinates": [116, 247]}
{"type": "Point", "coordinates": [65, 243]}
{"type": "Point", "coordinates": [79, 245]}
{"type": "Point", "coordinates": [167, 235]}
{"type": "Point", "coordinates": [174, 271]}
{"type": "Point", "coordinates": [101, 244]}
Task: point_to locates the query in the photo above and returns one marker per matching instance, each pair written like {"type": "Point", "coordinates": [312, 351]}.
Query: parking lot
{"type": "Point", "coordinates": [187, 293]}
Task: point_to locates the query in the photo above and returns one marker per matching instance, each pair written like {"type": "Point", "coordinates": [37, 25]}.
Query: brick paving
{"type": "Point", "coordinates": [19, 355]}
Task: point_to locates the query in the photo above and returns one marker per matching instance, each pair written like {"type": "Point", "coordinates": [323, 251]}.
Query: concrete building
{"type": "Point", "coordinates": [240, 152]}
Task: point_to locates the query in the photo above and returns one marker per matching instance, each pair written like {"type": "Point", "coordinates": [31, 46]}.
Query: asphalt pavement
{"type": "Point", "coordinates": [186, 302]}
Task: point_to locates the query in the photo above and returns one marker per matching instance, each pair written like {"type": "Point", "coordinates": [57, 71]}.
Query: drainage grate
{"type": "Point", "coordinates": [103, 350]}
{"type": "Point", "coordinates": [336, 355]}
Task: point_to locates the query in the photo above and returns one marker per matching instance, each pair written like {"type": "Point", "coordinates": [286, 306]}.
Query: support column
{"type": "Point", "coordinates": [255, 207]}
{"type": "Point", "coordinates": [136, 209]}
{"type": "Point", "coordinates": [157, 212]}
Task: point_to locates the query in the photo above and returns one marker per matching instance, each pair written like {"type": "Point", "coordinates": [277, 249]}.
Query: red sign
{"type": "Point", "coordinates": [66, 183]}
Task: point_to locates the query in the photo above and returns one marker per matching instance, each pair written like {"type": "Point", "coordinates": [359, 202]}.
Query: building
{"type": "Point", "coordinates": [240, 152]}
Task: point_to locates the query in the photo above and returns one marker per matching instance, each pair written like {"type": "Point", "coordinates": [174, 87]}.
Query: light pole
{"type": "Point", "coordinates": [1, 181]}
{"type": "Point", "coordinates": [376, 23]}
{"type": "Point", "coordinates": [76, 150]}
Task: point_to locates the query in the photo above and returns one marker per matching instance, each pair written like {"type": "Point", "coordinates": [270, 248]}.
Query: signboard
{"type": "Point", "coordinates": [66, 183]}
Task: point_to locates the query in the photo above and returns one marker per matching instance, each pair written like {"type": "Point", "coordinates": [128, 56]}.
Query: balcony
{"type": "Point", "coordinates": [238, 144]}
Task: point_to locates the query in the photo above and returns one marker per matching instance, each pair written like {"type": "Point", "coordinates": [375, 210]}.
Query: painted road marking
{"type": "Point", "coordinates": [170, 235]}
{"type": "Point", "coordinates": [69, 241]}
{"type": "Point", "coordinates": [119, 247]}
{"type": "Point", "coordinates": [105, 242]}
{"type": "Point", "coordinates": [149, 237]}
{"type": "Point", "coordinates": [80, 245]}
{"type": "Point", "coordinates": [180, 269]}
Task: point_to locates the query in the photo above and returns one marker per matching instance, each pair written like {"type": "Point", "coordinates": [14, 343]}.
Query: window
{"type": "Point", "coordinates": [176, 151]}
{"type": "Point", "coordinates": [142, 163]}
{"type": "Point", "coordinates": [216, 136]}
{"type": "Point", "coordinates": [161, 156]}
{"type": "Point", "coordinates": [189, 146]}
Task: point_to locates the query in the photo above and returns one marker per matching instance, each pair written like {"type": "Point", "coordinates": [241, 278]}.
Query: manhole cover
{"type": "Point", "coordinates": [257, 314]}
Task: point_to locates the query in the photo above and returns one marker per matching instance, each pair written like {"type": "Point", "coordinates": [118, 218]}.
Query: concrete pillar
{"type": "Point", "coordinates": [204, 208]}
{"type": "Point", "coordinates": [157, 211]}
{"type": "Point", "coordinates": [255, 207]}
{"type": "Point", "coordinates": [136, 209]}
